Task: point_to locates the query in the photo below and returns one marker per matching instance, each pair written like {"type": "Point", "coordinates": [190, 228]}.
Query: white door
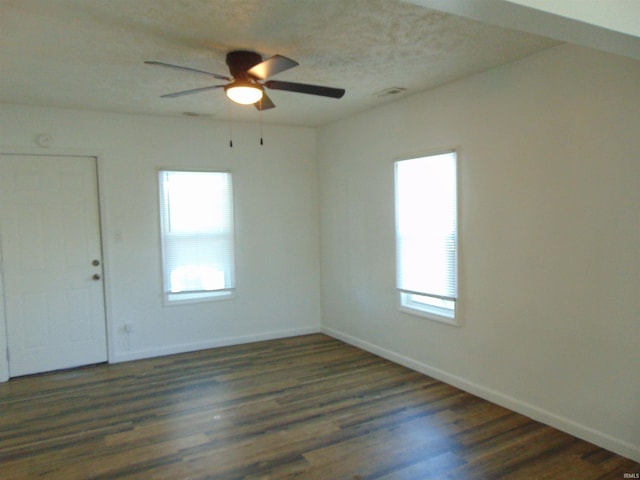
{"type": "Point", "coordinates": [51, 263]}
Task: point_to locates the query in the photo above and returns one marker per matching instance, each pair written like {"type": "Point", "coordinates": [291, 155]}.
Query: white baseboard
{"type": "Point", "coordinates": [541, 415]}
{"type": "Point", "coordinates": [218, 342]}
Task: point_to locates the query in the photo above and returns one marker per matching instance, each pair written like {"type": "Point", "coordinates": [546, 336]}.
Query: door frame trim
{"type": "Point", "coordinates": [102, 216]}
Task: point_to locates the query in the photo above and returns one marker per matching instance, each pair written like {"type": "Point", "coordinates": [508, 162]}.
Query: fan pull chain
{"type": "Point", "coordinates": [230, 126]}
{"type": "Point", "coordinates": [261, 141]}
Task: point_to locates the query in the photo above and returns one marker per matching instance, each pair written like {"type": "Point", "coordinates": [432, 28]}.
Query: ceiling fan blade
{"type": "Point", "coordinates": [188, 69]}
{"type": "Point", "coordinates": [190, 92]}
{"type": "Point", "coordinates": [264, 103]}
{"type": "Point", "coordinates": [271, 66]}
{"type": "Point", "coordinates": [305, 88]}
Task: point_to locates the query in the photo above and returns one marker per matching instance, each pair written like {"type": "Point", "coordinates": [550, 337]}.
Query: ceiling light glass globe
{"type": "Point", "coordinates": [243, 94]}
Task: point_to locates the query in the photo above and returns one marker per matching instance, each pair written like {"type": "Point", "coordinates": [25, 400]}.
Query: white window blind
{"type": "Point", "coordinates": [426, 226]}
{"type": "Point", "coordinates": [197, 234]}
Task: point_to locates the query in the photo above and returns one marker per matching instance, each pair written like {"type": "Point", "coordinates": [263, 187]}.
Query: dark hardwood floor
{"type": "Point", "coordinates": [308, 407]}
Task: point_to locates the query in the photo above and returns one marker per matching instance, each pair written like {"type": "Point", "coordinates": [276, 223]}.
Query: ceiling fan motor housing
{"type": "Point", "coordinates": [239, 61]}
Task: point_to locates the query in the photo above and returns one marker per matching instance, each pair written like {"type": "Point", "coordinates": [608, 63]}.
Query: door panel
{"type": "Point", "coordinates": [50, 237]}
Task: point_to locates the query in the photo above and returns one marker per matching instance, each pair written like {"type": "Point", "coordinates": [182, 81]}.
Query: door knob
{"type": "Point", "coordinates": [96, 276]}
{"type": "Point", "coordinates": [95, 263]}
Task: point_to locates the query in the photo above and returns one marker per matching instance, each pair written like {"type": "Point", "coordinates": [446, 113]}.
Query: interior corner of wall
{"type": "Point", "coordinates": [4, 359]}
{"type": "Point", "coordinates": [4, 364]}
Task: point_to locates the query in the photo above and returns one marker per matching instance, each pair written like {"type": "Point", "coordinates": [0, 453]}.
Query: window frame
{"type": "Point", "coordinates": [180, 298]}
{"type": "Point", "coordinates": [410, 301]}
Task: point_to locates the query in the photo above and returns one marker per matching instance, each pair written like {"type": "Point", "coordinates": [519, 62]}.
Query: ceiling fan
{"type": "Point", "coordinates": [249, 75]}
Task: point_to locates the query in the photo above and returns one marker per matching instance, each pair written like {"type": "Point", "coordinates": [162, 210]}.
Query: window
{"type": "Point", "coordinates": [197, 235]}
{"type": "Point", "coordinates": [426, 238]}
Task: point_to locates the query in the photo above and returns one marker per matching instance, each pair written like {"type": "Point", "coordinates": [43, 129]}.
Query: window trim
{"type": "Point", "coordinates": [405, 303]}
{"type": "Point", "coordinates": [195, 296]}
{"type": "Point", "coordinates": [410, 306]}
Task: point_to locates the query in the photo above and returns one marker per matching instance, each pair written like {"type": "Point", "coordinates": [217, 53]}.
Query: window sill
{"type": "Point", "coordinates": [435, 308]}
{"type": "Point", "coordinates": [436, 314]}
{"type": "Point", "coordinates": [431, 316]}
{"type": "Point", "coordinates": [171, 300]}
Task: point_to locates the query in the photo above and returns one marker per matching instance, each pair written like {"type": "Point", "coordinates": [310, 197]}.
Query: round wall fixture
{"type": "Point", "coordinates": [44, 140]}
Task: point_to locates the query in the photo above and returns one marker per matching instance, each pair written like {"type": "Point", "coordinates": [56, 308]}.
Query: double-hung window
{"type": "Point", "coordinates": [197, 235]}
{"type": "Point", "coordinates": [426, 236]}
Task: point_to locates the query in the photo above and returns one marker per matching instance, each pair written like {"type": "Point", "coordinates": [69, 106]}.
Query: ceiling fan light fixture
{"type": "Point", "coordinates": [243, 92]}
{"type": "Point", "coordinates": [250, 75]}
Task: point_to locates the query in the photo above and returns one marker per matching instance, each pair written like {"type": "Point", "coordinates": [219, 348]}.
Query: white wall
{"type": "Point", "coordinates": [549, 152]}
{"type": "Point", "coordinates": [275, 188]}
{"type": "Point", "coordinates": [618, 15]}
{"type": "Point", "coordinates": [562, 20]}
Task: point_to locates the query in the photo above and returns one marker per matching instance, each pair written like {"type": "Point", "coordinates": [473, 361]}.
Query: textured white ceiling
{"type": "Point", "coordinates": [89, 54]}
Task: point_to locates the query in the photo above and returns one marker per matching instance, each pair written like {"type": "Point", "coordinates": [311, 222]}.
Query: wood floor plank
{"type": "Point", "coordinates": [308, 407]}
